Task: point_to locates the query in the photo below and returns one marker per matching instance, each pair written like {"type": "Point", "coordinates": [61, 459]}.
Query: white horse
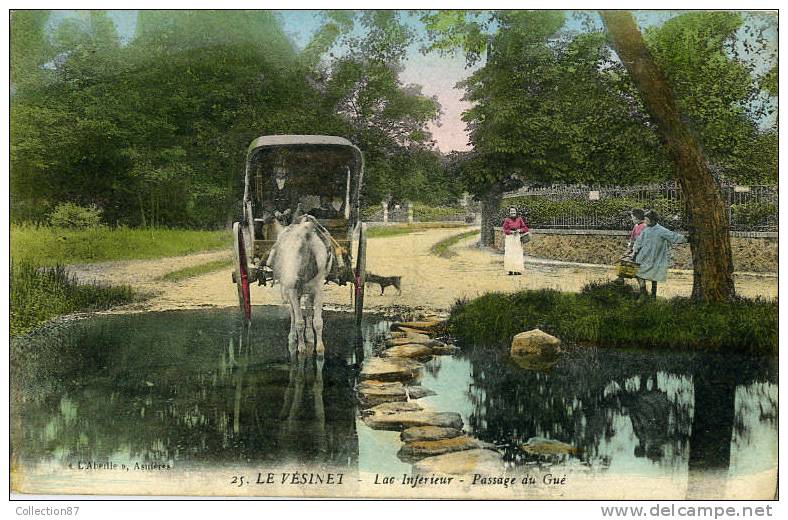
{"type": "Point", "coordinates": [301, 261]}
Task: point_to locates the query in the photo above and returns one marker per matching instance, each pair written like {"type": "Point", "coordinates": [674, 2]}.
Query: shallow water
{"type": "Point", "coordinates": [191, 388]}
{"type": "Point", "coordinates": [629, 412]}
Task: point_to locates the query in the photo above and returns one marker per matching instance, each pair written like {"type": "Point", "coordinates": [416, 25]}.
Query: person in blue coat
{"type": "Point", "coordinates": [652, 252]}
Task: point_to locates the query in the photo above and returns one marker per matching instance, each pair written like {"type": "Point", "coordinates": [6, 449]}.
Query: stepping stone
{"type": "Point", "coordinates": [417, 392]}
{"type": "Point", "coordinates": [390, 369]}
{"type": "Point", "coordinates": [394, 408]}
{"type": "Point", "coordinates": [429, 326]}
{"type": "Point", "coordinates": [485, 462]}
{"type": "Point", "coordinates": [429, 433]}
{"type": "Point", "coordinates": [408, 351]}
{"type": "Point", "coordinates": [408, 419]}
{"type": "Point", "coordinates": [371, 392]}
{"type": "Point", "coordinates": [409, 338]}
{"type": "Point", "coordinates": [418, 450]}
{"type": "Point", "coordinates": [542, 446]}
{"type": "Point", "coordinates": [410, 331]}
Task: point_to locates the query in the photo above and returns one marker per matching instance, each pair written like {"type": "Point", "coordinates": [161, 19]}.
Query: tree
{"type": "Point", "coordinates": [714, 88]}
{"type": "Point", "coordinates": [547, 107]}
{"type": "Point", "coordinates": [386, 119]}
{"type": "Point", "coordinates": [707, 221]}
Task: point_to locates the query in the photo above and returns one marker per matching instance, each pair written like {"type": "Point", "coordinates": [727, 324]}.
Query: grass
{"type": "Point", "coordinates": [608, 315]}
{"type": "Point", "coordinates": [39, 294]}
{"type": "Point", "coordinates": [195, 270]}
{"type": "Point", "coordinates": [443, 248]}
{"type": "Point", "coordinates": [404, 229]}
{"type": "Point", "coordinates": [50, 246]}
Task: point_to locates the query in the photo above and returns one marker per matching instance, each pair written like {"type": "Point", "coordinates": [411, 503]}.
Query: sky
{"type": "Point", "coordinates": [438, 75]}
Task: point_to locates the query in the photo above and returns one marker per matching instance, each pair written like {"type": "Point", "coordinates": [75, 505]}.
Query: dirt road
{"type": "Point", "coordinates": [428, 282]}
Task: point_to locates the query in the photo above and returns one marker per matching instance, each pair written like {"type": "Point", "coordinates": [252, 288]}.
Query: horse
{"type": "Point", "coordinates": [301, 261]}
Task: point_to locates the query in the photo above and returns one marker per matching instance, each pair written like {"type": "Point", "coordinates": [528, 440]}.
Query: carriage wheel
{"type": "Point", "coordinates": [360, 274]}
{"type": "Point", "coordinates": [241, 276]}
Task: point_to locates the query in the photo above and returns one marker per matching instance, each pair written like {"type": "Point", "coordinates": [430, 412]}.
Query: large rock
{"type": "Point", "coordinates": [408, 351]}
{"type": "Point", "coordinates": [417, 450]}
{"type": "Point", "coordinates": [429, 433]}
{"type": "Point", "coordinates": [485, 462]}
{"type": "Point", "coordinates": [542, 446]}
{"type": "Point", "coordinates": [371, 392]}
{"type": "Point", "coordinates": [383, 417]}
{"type": "Point", "coordinates": [535, 342]}
{"type": "Point", "coordinates": [390, 369]}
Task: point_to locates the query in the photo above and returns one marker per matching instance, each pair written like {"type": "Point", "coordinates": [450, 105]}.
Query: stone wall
{"type": "Point", "coordinates": [752, 254]}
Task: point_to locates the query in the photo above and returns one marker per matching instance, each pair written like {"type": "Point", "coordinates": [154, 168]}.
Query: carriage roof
{"type": "Point", "coordinates": [295, 140]}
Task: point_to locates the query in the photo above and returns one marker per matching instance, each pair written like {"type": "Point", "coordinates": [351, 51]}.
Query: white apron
{"type": "Point", "coordinates": [513, 253]}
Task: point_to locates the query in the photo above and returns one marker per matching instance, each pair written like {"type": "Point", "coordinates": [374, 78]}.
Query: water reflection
{"type": "Point", "coordinates": [653, 413]}
{"type": "Point", "coordinates": [183, 387]}
{"type": "Point", "coordinates": [193, 387]}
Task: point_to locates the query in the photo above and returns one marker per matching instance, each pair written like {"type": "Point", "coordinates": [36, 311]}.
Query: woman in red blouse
{"type": "Point", "coordinates": [513, 228]}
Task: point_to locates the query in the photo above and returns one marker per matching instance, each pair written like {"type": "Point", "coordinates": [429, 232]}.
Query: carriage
{"type": "Point", "coordinates": [325, 177]}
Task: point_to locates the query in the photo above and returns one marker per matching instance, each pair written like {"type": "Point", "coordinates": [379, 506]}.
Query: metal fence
{"type": "Point", "coordinates": [750, 208]}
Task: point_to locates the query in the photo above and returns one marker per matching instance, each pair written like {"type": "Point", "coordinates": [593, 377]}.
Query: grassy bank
{"type": "Point", "coordinates": [607, 315]}
{"type": "Point", "coordinates": [40, 294]}
{"type": "Point", "coordinates": [443, 248]}
{"type": "Point", "coordinates": [195, 270]}
{"type": "Point", "coordinates": [49, 246]}
{"type": "Point", "coordinates": [404, 229]}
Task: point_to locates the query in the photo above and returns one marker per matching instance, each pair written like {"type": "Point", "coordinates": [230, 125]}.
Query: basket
{"type": "Point", "coordinates": [626, 268]}
{"type": "Point", "coordinates": [525, 238]}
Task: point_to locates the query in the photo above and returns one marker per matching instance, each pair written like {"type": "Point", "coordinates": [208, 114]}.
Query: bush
{"type": "Point", "coordinates": [41, 293]}
{"type": "Point", "coordinates": [424, 213]}
{"type": "Point", "coordinates": [73, 216]}
{"type": "Point", "coordinates": [753, 215]}
{"type": "Point", "coordinates": [608, 315]}
{"type": "Point", "coordinates": [607, 213]}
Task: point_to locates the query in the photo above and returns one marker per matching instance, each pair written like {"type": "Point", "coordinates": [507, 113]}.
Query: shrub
{"type": "Point", "coordinates": [73, 216]}
{"type": "Point", "coordinates": [41, 293]}
{"type": "Point", "coordinates": [753, 215]}
{"type": "Point", "coordinates": [607, 213]}
{"type": "Point", "coordinates": [608, 315]}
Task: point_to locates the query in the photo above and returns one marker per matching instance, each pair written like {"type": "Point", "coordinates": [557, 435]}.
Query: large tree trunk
{"type": "Point", "coordinates": [708, 223]}
{"type": "Point", "coordinates": [491, 209]}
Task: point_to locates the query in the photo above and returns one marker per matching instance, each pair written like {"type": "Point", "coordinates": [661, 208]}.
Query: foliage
{"type": "Point", "coordinates": [608, 315]}
{"type": "Point", "coordinates": [41, 293]}
{"type": "Point", "coordinates": [154, 132]}
{"type": "Point", "coordinates": [715, 88]}
{"type": "Point", "coordinates": [72, 216]}
{"type": "Point", "coordinates": [48, 246]}
{"type": "Point", "coordinates": [608, 213]}
{"type": "Point", "coordinates": [754, 215]}
{"type": "Point", "coordinates": [549, 106]}
{"type": "Point", "coordinates": [424, 213]}
{"type": "Point", "coordinates": [195, 270]}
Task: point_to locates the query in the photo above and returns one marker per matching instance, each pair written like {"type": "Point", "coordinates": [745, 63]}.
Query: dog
{"type": "Point", "coordinates": [384, 281]}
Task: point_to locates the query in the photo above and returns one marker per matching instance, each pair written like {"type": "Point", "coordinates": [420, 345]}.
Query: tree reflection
{"type": "Point", "coordinates": [182, 387]}
{"type": "Point", "coordinates": [680, 407]}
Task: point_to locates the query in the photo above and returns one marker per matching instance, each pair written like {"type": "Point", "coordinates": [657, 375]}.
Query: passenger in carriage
{"type": "Point", "coordinates": [280, 198]}
{"type": "Point", "coordinates": [326, 210]}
